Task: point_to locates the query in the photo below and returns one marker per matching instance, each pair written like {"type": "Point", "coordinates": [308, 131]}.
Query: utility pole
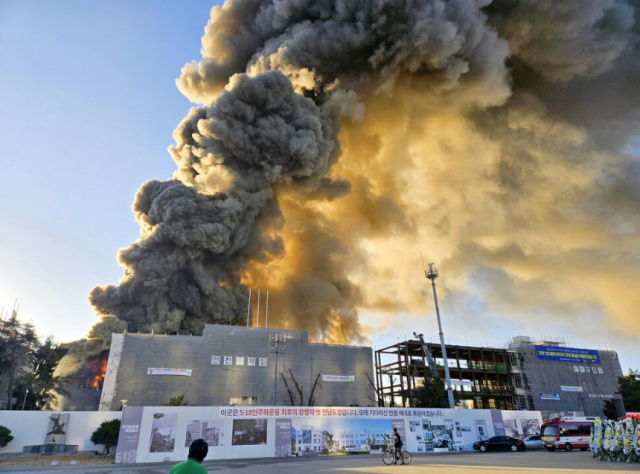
{"type": "Point", "coordinates": [432, 274]}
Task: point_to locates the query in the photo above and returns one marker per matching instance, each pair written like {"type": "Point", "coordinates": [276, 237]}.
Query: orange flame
{"type": "Point", "coordinates": [99, 378]}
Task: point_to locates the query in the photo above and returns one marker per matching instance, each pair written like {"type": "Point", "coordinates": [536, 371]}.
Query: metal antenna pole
{"type": "Point", "coordinates": [266, 321]}
{"type": "Point", "coordinates": [432, 274]}
{"type": "Point", "coordinates": [258, 312]}
{"type": "Point", "coordinates": [249, 308]}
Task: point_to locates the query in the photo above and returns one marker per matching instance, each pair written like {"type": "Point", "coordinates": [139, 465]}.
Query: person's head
{"type": "Point", "coordinates": [395, 430]}
{"type": "Point", "coordinates": [198, 450]}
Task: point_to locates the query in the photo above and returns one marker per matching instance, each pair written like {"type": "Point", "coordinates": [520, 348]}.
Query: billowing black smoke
{"type": "Point", "coordinates": [302, 160]}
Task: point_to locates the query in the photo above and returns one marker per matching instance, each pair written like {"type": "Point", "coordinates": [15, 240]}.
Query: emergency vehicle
{"type": "Point", "coordinates": [567, 432]}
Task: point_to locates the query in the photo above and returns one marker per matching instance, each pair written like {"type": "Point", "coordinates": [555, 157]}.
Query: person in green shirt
{"type": "Point", "coordinates": [197, 452]}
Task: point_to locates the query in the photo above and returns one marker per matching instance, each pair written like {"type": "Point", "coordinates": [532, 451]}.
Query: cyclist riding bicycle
{"type": "Point", "coordinates": [397, 444]}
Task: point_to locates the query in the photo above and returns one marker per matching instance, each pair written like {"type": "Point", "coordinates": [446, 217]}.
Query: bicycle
{"type": "Point", "coordinates": [389, 456]}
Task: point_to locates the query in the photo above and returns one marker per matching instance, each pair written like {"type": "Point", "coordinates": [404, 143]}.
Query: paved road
{"type": "Point", "coordinates": [530, 462]}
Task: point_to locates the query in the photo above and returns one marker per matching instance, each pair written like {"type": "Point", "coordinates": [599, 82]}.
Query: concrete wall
{"type": "Point", "coordinates": [219, 384]}
{"type": "Point", "coordinates": [30, 428]}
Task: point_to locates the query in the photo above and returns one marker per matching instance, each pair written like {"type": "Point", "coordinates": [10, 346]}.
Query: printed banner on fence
{"type": "Point", "coordinates": [127, 450]}
{"type": "Point", "coordinates": [326, 412]}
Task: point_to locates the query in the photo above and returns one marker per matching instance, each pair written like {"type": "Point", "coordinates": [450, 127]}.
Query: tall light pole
{"type": "Point", "coordinates": [432, 274]}
{"type": "Point", "coordinates": [35, 376]}
{"type": "Point", "coordinates": [277, 344]}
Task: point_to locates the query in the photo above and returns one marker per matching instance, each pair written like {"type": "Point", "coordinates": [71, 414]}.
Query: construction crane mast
{"type": "Point", "coordinates": [427, 354]}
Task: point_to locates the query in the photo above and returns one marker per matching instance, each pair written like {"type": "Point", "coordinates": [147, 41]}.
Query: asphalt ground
{"type": "Point", "coordinates": [528, 462]}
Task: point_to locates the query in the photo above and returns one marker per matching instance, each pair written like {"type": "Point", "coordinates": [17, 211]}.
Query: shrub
{"type": "Point", "coordinates": [5, 436]}
{"type": "Point", "coordinates": [107, 434]}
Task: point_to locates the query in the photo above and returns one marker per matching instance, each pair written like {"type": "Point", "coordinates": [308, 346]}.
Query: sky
{"type": "Point", "coordinates": [89, 103]}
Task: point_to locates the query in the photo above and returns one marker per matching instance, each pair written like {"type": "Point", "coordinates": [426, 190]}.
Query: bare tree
{"type": "Point", "coordinates": [379, 399]}
{"type": "Point", "coordinates": [297, 399]}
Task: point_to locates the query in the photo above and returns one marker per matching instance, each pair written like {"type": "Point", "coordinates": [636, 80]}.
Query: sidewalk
{"type": "Point", "coordinates": [39, 460]}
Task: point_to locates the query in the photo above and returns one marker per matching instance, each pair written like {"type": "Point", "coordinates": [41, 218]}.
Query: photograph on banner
{"type": "Point", "coordinates": [481, 429]}
{"type": "Point", "coordinates": [442, 437]}
{"type": "Point", "coordinates": [458, 430]}
{"type": "Point", "coordinates": [208, 430]}
{"type": "Point", "coordinates": [511, 428]}
{"type": "Point", "coordinates": [550, 415]}
{"type": "Point", "coordinates": [530, 426]}
{"type": "Point", "coordinates": [331, 435]}
{"type": "Point", "coordinates": [163, 433]}
{"type": "Point", "coordinates": [250, 431]}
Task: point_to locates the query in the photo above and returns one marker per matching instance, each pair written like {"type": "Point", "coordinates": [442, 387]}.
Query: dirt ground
{"type": "Point", "coordinates": [36, 460]}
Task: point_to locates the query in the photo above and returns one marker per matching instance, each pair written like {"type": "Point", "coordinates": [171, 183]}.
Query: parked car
{"type": "Point", "coordinates": [498, 443]}
{"type": "Point", "coordinates": [533, 442]}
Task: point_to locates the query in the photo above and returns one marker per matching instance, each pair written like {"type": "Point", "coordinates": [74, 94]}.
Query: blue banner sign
{"type": "Point", "coordinates": [567, 354]}
{"type": "Point", "coordinates": [549, 396]}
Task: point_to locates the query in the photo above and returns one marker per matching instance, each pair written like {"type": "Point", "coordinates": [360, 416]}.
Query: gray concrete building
{"type": "Point", "coordinates": [235, 365]}
{"type": "Point", "coordinates": [549, 376]}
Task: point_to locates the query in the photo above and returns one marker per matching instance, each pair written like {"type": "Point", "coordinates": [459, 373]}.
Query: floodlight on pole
{"type": "Point", "coordinates": [432, 274]}
{"type": "Point", "coordinates": [277, 344]}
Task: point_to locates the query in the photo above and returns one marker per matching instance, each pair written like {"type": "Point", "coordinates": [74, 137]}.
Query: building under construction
{"type": "Point", "coordinates": [481, 376]}
{"type": "Point", "coordinates": [527, 374]}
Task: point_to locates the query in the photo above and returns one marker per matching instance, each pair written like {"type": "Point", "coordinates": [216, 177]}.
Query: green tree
{"type": "Point", "coordinates": [36, 388]}
{"type": "Point", "coordinates": [177, 401]}
{"type": "Point", "coordinates": [18, 345]}
{"type": "Point", "coordinates": [5, 436]}
{"type": "Point", "coordinates": [629, 389]}
{"type": "Point", "coordinates": [328, 439]}
{"type": "Point", "coordinates": [609, 410]}
{"type": "Point", "coordinates": [432, 394]}
{"type": "Point", "coordinates": [107, 434]}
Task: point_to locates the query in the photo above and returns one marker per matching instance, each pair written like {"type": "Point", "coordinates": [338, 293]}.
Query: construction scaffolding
{"type": "Point", "coordinates": [481, 376]}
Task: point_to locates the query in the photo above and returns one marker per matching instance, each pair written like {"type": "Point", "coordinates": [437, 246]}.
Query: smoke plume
{"type": "Point", "coordinates": [336, 140]}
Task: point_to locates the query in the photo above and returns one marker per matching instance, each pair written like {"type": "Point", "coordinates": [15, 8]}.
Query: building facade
{"type": "Point", "coordinates": [235, 365]}
{"type": "Point", "coordinates": [549, 376]}
{"type": "Point", "coordinates": [527, 374]}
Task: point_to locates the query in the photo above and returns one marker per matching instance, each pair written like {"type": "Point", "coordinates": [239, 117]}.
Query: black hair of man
{"type": "Point", "coordinates": [198, 450]}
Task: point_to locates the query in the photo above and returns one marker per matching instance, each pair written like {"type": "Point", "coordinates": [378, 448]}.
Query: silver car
{"type": "Point", "coordinates": [533, 442]}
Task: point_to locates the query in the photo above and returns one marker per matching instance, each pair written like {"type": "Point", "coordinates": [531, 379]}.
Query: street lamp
{"type": "Point", "coordinates": [124, 403]}
{"type": "Point", "coordinates": [432, 274]}
{"type": "Point", "coordinates": [25, 398]}
{"type": "Point", "coordinates": [277, 344]}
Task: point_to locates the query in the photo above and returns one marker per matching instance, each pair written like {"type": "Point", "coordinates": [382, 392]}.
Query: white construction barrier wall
{"type": "Point", "coordinates": [32, 428]}
{"type": "Point", "coordinates": [154, 434]}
